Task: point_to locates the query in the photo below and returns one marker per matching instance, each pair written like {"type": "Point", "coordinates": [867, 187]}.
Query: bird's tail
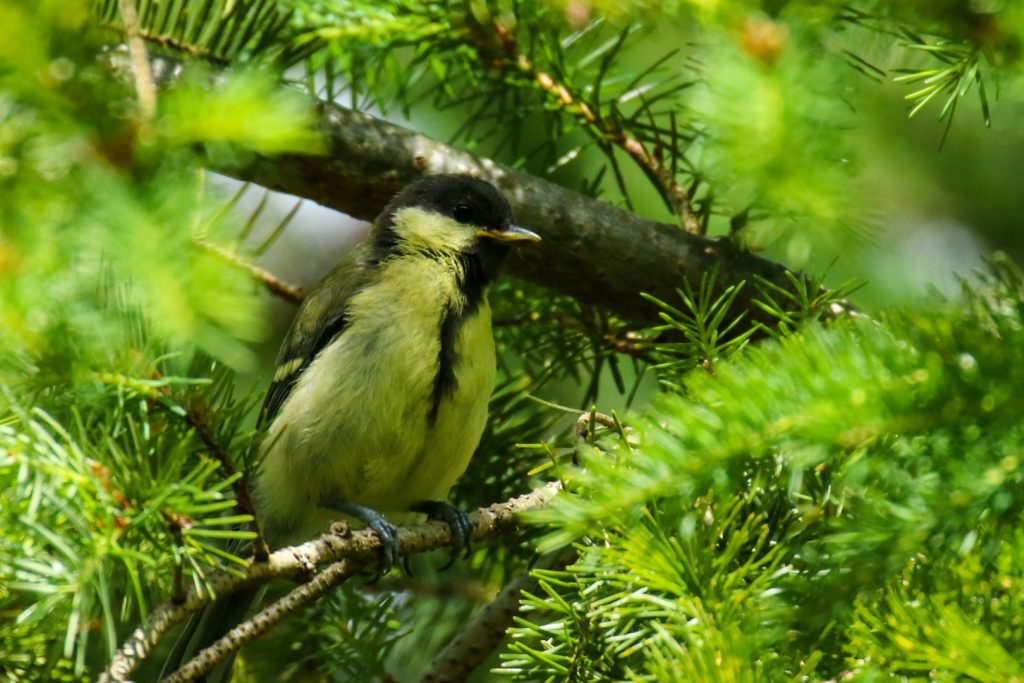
{"type": "Point", "coordinates": [208, 626]}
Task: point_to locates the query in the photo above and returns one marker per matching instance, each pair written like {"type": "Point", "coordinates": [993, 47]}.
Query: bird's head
{"type": "Point", "coordinates": [450, 215]}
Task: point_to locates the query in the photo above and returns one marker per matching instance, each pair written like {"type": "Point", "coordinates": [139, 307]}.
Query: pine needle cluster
{"type": "Point", "coordinates": [842, 502]}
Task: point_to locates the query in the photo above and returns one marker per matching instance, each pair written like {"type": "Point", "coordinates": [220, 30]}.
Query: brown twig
{"type": "Point", "coordinates": [620, 339]}
{"type": "Point", "coordinates": [586, 422]}
{"type": "Point", "coordinates": [468, 650]}
{"type": "Point", "coordinates": [170, 42]}
{"type": "Point", "coordinates": [260, 623]}
{"type": "Point", "coordinates": [176, 524]}
{"type": "Point", "coordinates": [274, 284]}
{"type": "Point", "coordinates": [240, 486]}
{"type": "Point", "coordinates": [650, 162]}
{"type": "Point", "coordinates": [143, 73]}
{"type": "Point", "coordinates": [631, 343]}
{"type": "Point", "coordinates": [360, 549]}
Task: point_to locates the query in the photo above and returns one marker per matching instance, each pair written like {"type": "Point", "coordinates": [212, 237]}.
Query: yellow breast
{"type": "Point", "coordinates": [356, 425]}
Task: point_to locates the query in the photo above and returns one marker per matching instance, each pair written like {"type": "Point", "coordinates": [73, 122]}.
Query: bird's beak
{"type": "Point", "coordinates": [511, 234]}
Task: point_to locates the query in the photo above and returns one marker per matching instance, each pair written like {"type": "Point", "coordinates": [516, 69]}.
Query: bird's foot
{"type": "Point", "coordinates": [457, 520]}
{"type": "Point", "coordinates": [390, 547]}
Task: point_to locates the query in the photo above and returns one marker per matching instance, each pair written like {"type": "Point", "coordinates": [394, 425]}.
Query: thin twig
{"type": "Point", "coordinates": [650, 162]}
{"type": "Point", "coordinates": [240, 486]}
{"type": "Point", "coordinates": [630, 343]}
{"type": "Point", "coordinates": [360, 549]}
{"type": "Point", "coordinates": [260, 623]}
{"type": "Point", "coordinates": [586, 422]}
{"type": "Point", "coordinates": [161, 395]}
{"type": "Point", "coordinates": [463, 655]}
{"type": "Point", "coordinates": [620, 340]}
{"type": "Point", "coordinates": [144, 85]}
{"type": "Point", "coordinates": [273, 283]}
{"type": "Point", "coordinates": [170, 42]}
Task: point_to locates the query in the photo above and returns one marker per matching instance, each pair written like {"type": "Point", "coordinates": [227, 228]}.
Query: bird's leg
{"type": "Point", "coordinates": [461, 525]}
{"type": "Point", "coordinates": [387, 532]}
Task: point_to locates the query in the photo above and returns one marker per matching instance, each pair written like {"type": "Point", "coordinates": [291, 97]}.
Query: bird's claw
{"type": "Point", "coordinates": [405, 566]}
{"type": "Point", "coordinates": [457, 520]}
{"type": "Point", "coordinates": [390, 546]}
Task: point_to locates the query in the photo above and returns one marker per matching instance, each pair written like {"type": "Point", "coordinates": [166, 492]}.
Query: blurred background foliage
{"type": "Point", "coordinates": [812, 502]}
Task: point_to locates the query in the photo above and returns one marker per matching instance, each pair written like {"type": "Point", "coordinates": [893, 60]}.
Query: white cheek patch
{"type": "Point", "coordinates": [421, 229]}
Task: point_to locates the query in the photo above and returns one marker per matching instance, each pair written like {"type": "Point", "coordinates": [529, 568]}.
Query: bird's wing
{"type": "Point", "coordinates": [320, 319]}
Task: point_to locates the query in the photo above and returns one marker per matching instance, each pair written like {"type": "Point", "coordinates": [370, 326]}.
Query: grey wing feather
{"type": "Point", "coordinates": [320, 319]}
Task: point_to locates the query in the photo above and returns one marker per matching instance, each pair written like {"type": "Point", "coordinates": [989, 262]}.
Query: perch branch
{"type": "Point", "coordinates": [359, 550]}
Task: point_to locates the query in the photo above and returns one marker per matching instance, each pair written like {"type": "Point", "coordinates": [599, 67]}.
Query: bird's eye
{"type": "Point", "coordinates": [463, 213]}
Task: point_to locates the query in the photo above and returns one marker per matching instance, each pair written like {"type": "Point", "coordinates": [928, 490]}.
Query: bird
{"type": "Point", "coordinates": [382, 383]}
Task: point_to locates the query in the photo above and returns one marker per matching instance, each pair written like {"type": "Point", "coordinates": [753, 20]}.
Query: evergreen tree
{"type": "Point", "coordinates": [704, 463]}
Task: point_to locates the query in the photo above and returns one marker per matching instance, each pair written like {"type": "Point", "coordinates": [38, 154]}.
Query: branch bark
{"type": "Point", "coordinates": [252, 628]}
{"type": "Point", "coordinates": [474, 644]}
{"type": "Point", "coordinates": [591, 250]}
{"type": "Point", "coordinates": [358, 550]}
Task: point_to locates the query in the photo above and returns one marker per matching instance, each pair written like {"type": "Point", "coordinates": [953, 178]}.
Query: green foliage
{"type": "Point", "coordinates": [960, 46]}
{"type": "Point", "coordinates": [806, 300]}
{"type": "Point", "coordinates": [497, 65]}
{"type": "Point", "coordinates": [501, 469]}
{"type": "Point", "coordinates": [114, 418]}
{"type": "Point", "coordinates": [659, 607]}
{"type": "Point", "coordinates": [960, 71]}
{"type": "Point", "coordinates": [218, 31]}
{"type": "Point", "coordinates": [99, 509]}
{"type": "Point", "coordinates": [801, 500]}
{"type": "Point", "coordinates": [846, 498]}
{"type": "Point", "coordinates": [74, 136]}
{"type": "Point", "coordinates": [191, 114]}
{"type": "Point", "coordinates": [557, 338]}
{"type": "Point", "coordinates": [773, 141]}
{"type": "Point", "coordinates": [706, 326]}
{"type": "Point", "coordinates": [329, 642]}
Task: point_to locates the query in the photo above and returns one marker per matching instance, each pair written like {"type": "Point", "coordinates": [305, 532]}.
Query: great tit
{"type": "Point", "coordinates": [381, 388]}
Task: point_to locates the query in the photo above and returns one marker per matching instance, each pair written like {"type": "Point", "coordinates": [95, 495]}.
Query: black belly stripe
{"type": "Point", "coordinates": [471, 284]}
{"type": "Point", "coordinates": [445, 382]}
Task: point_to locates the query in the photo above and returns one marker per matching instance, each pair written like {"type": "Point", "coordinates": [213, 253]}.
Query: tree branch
{"type": "Point", "coordinates": [591, 250]}
{"type": "Point", "coordinates": [195, 417]}
{"type": "Point", "coordinates": [260, 623]}
{"type": "Point", "coordinates": [145, 89]}
{"type": "Point", "coordinates": [273, 284]}
{"type": "Point", "coordinates": [358, 550]}
{"type": "Point", "coordinates": [474, 644]}
{"type": "Point", "coordinates": [652, 166]}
